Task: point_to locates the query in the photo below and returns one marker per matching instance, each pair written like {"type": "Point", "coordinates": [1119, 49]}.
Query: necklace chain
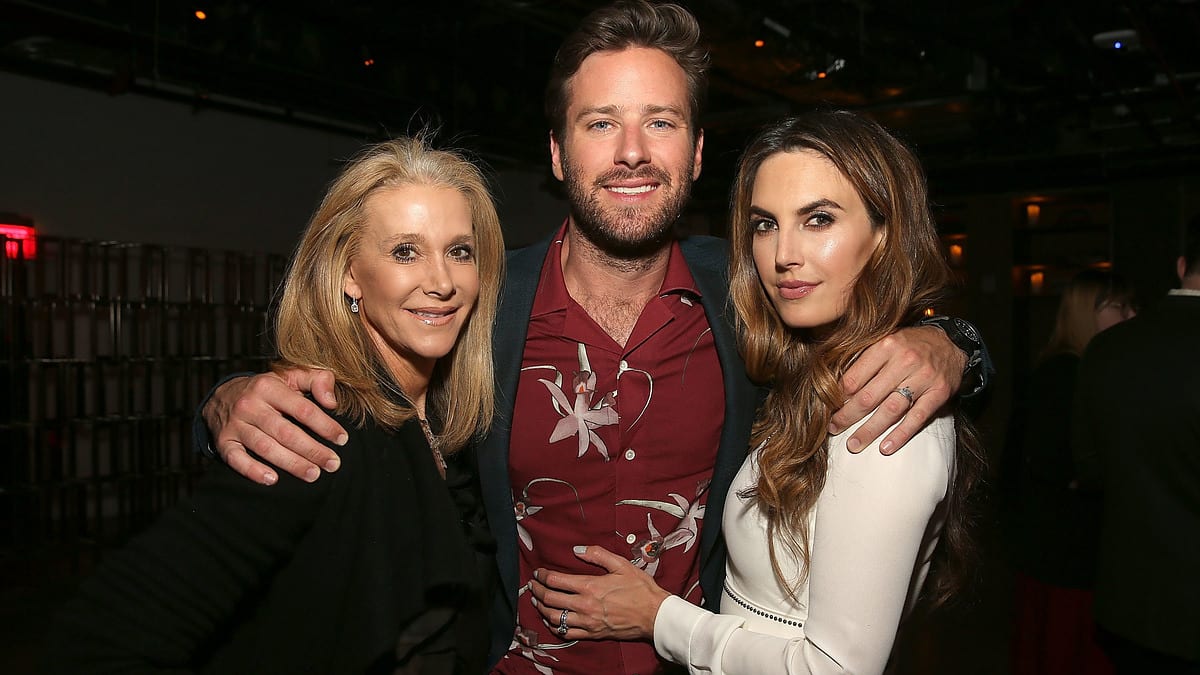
{"type": "Point", "coordinates": [438, 459]}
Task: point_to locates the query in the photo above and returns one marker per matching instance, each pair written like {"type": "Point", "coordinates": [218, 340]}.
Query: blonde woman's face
{"type": "Point", "coordinates": [1112, 313]}
{"type": "Point", "coordinates": [812, 236]}
{"type": "Point", "coordinates": [415, 274]}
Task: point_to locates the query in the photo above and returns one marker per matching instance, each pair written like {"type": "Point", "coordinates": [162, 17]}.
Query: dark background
{"type": "Point", "coordinates": [170, 162]}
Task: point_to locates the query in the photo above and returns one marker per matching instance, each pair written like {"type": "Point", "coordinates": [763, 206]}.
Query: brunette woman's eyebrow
{"type": "Point", "coordinates": [820, 204]}
{"type": "Point", "coordinates": [760, 211]}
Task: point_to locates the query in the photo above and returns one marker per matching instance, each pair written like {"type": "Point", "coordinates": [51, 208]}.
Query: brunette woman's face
{"type": "Point", "coordinates": [812, 236]}
{"type": "Point", "coordinates": [414, 274]}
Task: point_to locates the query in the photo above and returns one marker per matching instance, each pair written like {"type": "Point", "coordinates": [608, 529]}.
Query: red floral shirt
{"type": "Point", "coordinates": [614, 447]}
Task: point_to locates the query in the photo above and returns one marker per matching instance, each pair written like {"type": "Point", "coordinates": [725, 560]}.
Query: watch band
{"type": "Point", "coordinates": [966, 337]}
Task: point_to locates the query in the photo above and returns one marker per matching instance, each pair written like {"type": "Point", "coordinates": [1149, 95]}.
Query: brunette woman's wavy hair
{"type": "Point", "coordinates": [314, 325]}
{"type": "Point", "coordinates": [905, 275]}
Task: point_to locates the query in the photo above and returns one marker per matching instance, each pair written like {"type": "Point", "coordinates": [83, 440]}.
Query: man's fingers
{"type": "Point", "coordinates": [889, 412]}
{"type": "Point", "coordinates": [319, 383]}
{"type": "Point", "coordinates": [913, 422]}
{"type": "Point", "coordinates": [312, 417]}
{"type": "Point", "coordinates": [283, 432]}
{"type": "Point", "coordinates": [240, 461]}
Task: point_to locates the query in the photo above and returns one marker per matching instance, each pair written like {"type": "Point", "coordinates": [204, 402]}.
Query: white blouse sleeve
{"type": "Point", "coordinates": [871, 524]}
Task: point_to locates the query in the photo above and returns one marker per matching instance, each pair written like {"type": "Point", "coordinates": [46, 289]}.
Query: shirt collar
{"type": "Point", "coordinates": [552, 296]}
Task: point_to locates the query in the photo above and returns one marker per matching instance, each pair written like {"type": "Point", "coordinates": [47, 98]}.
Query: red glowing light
{"type": "Point", "coordinates": [759, 43]}
{"type": "Point", "coordinates": [201, 14]}
{"type": "Point", "coordinates": [15, 249]}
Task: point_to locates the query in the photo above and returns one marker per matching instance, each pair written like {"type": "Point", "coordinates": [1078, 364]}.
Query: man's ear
{"type": "Point", "coordinates": [699, 160]}
{"type": "Point", "coordinates": [555, 156]}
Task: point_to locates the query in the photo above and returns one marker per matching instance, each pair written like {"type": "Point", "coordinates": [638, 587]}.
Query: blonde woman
{"type": "Point", "coordinates": [1052, 527]}
{"type": "Point", "coordinates": [833, 247]}
{"type": "Point", "coordinates": [387, 564]}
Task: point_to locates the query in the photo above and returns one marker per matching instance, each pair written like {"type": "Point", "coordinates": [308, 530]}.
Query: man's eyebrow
{"type": "Point", "coordinates": [660, 109]}
{"type": "Point", "coordinates": [598, 110]}
{"type": "Point", "coordinates": [649, 109]}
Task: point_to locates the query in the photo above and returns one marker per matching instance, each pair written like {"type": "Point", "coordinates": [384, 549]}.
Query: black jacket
{"type": "Point", "coordinates": [297, 577]}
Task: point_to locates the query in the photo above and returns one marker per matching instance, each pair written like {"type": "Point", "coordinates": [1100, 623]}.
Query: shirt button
{"type": "Point", "coordinates": [630, 539]}
{"type": "Point", "coordinates": [630, 454]}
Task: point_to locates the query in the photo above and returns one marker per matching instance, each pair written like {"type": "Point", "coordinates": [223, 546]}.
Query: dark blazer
{"type": "Point", "coordinates": [1138, 438]}
{"type": "Point", "coordinates": [297, 577]}
{"type": "Point", "coordinates": [707, 259]}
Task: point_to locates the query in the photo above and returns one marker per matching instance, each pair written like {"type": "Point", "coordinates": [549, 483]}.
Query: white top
{"type": "Point", "coordinates": [872, 531]}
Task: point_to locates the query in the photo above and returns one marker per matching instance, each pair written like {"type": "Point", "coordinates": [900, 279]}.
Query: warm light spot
{"type": "Point", "coordinates": [928, 311]}
{"type": "Point", "coordinates": [1036, 281]}
{"type": "Point", "coordinates": [201, 14]}
{"type": "Point", "coordinates": [368, 62]}
{"type": "Point", "coordinates": [759, 43]}
{"type": "Point", "coordinates": [1032, 213]}
{"type": "Point", "coordinates": [956, 254]}
{"type": "Point", "coordinates": [821, 75]}
{"type": "Point", "coordinates": [25, 248]}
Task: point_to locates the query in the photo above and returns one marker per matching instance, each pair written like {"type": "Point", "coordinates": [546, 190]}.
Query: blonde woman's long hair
{"type": "Point", "coordinates": [905, 275]}
{"type": "Point", "coordinates": [314, 327]}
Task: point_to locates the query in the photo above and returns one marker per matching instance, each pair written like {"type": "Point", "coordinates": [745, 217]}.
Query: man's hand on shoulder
{"type": "Point", "coordinates": [920, 362]}
{"type": "Point", "coordinates": [247, 415]}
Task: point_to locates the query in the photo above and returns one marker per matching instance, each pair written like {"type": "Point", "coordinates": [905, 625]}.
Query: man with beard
{"type": "Point", "coordinates": [624, 409]}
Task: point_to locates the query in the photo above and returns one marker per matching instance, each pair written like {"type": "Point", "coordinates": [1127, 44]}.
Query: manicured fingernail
{"type": "Point", "coordinates": [834, 429]}
{"type": "Point", "coordinates": [312, 474]}
{"type": "Point", "coordinates": [535, 575]}
{"type": "Point", "coordinates": [886, 447]}
{"type": "Point", "coordinates": [270, 478]}
{"type": "Point", "coordinates": [341, 440]}
{"type": "Point", "coordinates": [853, 445]}
{"type": "Point", "coordinates": [333, 464]}
{"type": "Point", "coordinates": [579, 550]}
{"type": "Point", "coordinates": [534, 599]}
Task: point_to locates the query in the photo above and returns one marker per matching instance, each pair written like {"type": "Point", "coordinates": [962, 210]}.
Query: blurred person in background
{"type": "Point", "coordinates": [1051, 525]}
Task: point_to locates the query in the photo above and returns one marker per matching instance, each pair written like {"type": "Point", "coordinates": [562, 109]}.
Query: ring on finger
{"type": "Point", "coordinates": [562, 623]}
{"type": "Point", "coordinates": [906, 393]}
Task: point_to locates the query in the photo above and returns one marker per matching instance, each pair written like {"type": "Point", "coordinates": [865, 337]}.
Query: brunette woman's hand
{"type": "Point", "coordinates": [246, 415]}
{"type": "Point", "coordinates": [920, 361]}
{"type": "Point", "coordinates": [619, 605]}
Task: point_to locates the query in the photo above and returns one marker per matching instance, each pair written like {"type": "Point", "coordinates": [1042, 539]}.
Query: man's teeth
{"type": "Point", "coordinates": [641, 189]}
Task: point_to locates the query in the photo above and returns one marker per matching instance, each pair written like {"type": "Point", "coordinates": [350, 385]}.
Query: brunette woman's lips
{"type": "Point", "coordinates": [794, 290]}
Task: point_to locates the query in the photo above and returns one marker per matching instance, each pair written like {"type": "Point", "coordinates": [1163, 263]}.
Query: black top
{"type": "Point", "coordinates": [1052, 526]}
{"type": "Point", "coordinates": [379, 565]}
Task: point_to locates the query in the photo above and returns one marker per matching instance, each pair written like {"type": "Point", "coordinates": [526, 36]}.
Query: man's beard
{"type": "Point", "coordinates": [628, 232]}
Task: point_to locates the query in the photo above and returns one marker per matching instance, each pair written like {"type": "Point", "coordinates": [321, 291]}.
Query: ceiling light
{"type": "Point", "coordinates": [1124, 40]}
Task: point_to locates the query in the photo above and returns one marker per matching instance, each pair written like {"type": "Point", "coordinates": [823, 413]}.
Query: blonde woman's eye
{"type": "Point", "coordinates": [462, 253]}
{"type": "Point", "coordinates": [405, 253]}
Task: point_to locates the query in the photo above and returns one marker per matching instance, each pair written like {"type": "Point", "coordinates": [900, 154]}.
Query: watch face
{"type": "Point", "coordinates": [967, 329]}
